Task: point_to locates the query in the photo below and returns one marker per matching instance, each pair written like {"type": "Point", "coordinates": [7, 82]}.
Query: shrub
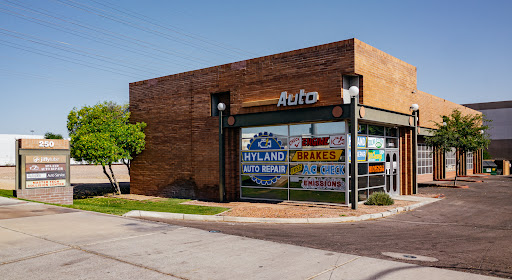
{"type": "Point", "coordinates": [379, 198]}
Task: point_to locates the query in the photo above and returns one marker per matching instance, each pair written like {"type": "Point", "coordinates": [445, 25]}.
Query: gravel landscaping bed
{"type": "Point", "coordinates": [297, 209]}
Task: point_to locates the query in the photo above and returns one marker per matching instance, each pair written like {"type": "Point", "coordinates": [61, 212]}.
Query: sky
{"type": "Point", "coordinates": [60, 54]}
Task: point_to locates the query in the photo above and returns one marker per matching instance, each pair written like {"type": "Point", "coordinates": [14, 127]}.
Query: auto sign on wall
{"type": "Point", "coordinates": [42, 163]}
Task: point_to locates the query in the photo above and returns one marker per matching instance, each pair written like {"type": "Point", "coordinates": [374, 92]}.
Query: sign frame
{"type": "Point", "coordinates": [26, 148]}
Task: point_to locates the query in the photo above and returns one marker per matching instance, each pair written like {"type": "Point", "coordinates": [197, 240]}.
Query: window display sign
{"type": "Point", "coordinates": [319, 155]}
{"type": "Point", "coordinates": [361, 141]}
{"type": "Point", "coordinates": [361, 155]}
{"type": "Point", "coordinates": [264, 174]}
{"type": "Point", "coordinates": [295, 143]}
{"type": "Point", "coordinates": [337, 141]}
{"type": "Point", "coordinates": [320, 183]}
{"type": "Point", "coordinates": [320, 169]}
{"type": "Point", "coordinates": [314, 141]}
{"type": "Point", "coordinates": [264, 156]}
{"type": "Point", "coordinates": [376, 155]}
{"type": "Point", "coordinates": [376, 168]}
{"type": "Point", "coordinates": [280, 169]}
{"type": "Point", "coordinates": [374, 142]}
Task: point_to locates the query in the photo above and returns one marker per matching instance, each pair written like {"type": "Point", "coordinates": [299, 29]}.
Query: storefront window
{"type": "Point", "coordinates": [425, 162]}
{"type": "Point", "coordinates": [309, 162]}
{"type": "Point", "coordinates": [376, 130]}
{"type": "Point", "coordinates": [469, 161]}
{"type": "Point", "coordinates": [450, 160]}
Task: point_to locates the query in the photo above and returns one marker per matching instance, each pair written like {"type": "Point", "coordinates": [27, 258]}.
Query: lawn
{"type": "Point", "coordinates": [6, 193]}
{"type": "Point", "coordinates": [118, 206]}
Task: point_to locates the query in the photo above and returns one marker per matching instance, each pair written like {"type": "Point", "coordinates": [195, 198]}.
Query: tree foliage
{"type": "Point", "coordinates": [102, 134]}
{"type": "Point", "coordinates": [465, 133]}
{"type": "Point", "coordinates": [50, 135]}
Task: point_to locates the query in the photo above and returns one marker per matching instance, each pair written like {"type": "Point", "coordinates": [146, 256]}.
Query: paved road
{"type": "Point", "coordinates": [470, 230]}
{"type": "Point", "coordinates": [46, 242]}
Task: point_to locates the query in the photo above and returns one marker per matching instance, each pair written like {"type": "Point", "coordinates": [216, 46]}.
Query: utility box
{"type": "Point", "coordinates": [42, 170]}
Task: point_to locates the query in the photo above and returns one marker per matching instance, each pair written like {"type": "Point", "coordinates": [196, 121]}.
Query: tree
{"type": "Point", "coordinates": [102, 134]}
{"type": "Point", "coordinates": [50, 135]}
{"type": "Point", "coordinates": [465, 133]}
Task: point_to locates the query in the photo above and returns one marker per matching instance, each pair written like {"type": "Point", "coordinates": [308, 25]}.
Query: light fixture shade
{"type": "Point", "coordinates": [415, 107]}
{"type": "Point", "coordinates": [221, 106]}
{"type": "Point", "coordinates": [353, 91]}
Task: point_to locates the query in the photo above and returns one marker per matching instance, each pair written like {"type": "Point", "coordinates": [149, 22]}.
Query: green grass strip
{"type": "Point", "coordinates": [118, 206]}
{"type": "Point", "coordinates": [7, 193]}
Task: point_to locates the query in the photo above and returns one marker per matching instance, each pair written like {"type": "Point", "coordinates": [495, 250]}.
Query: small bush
{"type": "Point", "coordinates": [379, 198]}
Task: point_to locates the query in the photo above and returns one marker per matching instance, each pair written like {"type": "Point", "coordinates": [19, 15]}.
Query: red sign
{"type": "Point", "coordinates": [322, 141]}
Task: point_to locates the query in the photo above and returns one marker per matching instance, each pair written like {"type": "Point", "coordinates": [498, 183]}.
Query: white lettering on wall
{"type": "Point", "coordinates": [297, 99]}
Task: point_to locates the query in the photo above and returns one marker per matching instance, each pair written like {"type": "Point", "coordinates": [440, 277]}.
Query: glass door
{"type": "Point", "coordinates": [392, 172]}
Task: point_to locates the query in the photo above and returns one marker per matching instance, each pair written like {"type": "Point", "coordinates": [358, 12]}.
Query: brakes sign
{"type": "Point", "coordinates": [320, 155]}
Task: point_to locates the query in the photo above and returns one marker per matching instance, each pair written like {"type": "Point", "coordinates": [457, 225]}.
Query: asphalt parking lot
{"type": "Point", "coordinates": [470, 230]}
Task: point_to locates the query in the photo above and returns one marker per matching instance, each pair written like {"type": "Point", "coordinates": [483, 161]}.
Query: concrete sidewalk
{"type": "Point", "coordinates": [52, 243]}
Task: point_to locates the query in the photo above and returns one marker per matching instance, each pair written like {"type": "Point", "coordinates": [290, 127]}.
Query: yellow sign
{"type": "Point", "coordinates": [320, 155]}
{"type": "Point", "coordinates": [296, 169]}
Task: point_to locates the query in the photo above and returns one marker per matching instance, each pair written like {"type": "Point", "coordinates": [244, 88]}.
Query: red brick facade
{"type": "Point", "coordinates": [58, 195]}
{"type": "Point", "coordinates": [181, 156]}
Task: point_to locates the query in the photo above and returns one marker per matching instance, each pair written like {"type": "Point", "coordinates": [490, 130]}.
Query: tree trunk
{"type": "Point", "coordinates": [127, 162]}
{"type": "Point", "coordinates": [457, 162]}
{"type": "Point", "coordinates": [117, 188]}
{"type": "Point", "coordinates": [109, 178]}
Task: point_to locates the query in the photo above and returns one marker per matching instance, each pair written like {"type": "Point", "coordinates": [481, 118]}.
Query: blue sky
{"type": "Point", "coordinates": [60, 54]}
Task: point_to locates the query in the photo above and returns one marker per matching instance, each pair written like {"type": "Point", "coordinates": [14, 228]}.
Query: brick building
{"type": "Point", "coordinates": [286, 127]}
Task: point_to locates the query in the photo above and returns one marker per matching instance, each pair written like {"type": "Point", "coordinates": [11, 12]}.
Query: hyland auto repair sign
{"type": "Point", "coordinates": [307, 162]}
{"type": "Point", "coordinates": [261, 160]}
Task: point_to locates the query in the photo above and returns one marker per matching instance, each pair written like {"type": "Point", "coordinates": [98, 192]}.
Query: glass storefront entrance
{"type": "Point", "coordinates": [310, 162]}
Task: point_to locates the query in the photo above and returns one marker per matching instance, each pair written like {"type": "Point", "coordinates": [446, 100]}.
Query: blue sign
{"type": "Point", "coordinates": [323, 169]}
{"type": "Point", "coordinates": [361, 141]}
{"type": "Point", "coordinates": [265, 141]}
{"type": "Point", "coordinates": [361, 155]}
{"type": "Point", "coordinates": [262, 148]}
{"type": "Point", "coordinates": [265, 156]}
{"type": "Point", "coordinates": [278, 169]}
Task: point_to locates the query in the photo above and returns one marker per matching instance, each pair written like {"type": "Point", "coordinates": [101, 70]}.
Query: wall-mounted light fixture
{"type": "Point", "coordinates": [221, 107]}
{"type": "Point", "coordinates": [354, 92]}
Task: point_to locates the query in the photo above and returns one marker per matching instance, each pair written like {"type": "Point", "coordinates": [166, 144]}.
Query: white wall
{"type": "Point", "coordinates": [8, 149]}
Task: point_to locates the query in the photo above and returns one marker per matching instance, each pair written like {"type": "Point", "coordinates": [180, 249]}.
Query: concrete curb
{"type": "Point", "coordinates": [193, 217]}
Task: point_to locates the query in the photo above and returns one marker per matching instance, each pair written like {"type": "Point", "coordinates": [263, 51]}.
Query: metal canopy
{"type": "Point", "coordinates": [315, 114]}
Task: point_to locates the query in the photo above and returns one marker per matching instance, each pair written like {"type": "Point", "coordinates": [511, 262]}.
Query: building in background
{"type": "Point", "coordinates": [8, 149]}
{"type": "Point", "coordinates": [500, 128]}
{"type": "Point", "coordinates": [286, 128]}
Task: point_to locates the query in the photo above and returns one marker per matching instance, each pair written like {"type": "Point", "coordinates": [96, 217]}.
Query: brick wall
{"type": "Point", "coordinates": [181, 156]}
{"type": "Point", "coordinates": [58, 195]}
